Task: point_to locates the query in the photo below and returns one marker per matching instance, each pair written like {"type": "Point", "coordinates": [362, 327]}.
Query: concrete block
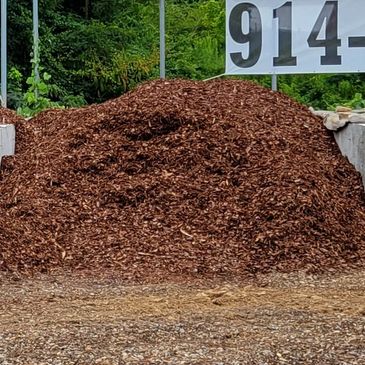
{"type": "Point", "coordinates": [334, 120]}
{"type": "Point", "coordinates": [351, 141]}
{"type": "Point", "coordinates": [7, 140]}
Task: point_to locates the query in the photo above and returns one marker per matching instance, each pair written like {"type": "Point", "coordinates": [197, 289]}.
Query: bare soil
{"type": "Point", "coordinates": [270, 319]}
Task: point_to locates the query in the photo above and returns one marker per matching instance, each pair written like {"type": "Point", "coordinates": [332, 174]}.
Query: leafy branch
{"type": "Point", "coordinates": [36, 98]}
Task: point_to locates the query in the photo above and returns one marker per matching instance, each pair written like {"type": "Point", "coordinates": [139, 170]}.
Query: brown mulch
{"type": "Point", "coordinates": [8, 116]}
{"type": "Point", "coordinates": [181, 178]}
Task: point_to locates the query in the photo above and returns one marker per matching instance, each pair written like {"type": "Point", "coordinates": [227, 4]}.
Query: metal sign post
{"type": "Point", "coordinates": [274, 82]}
{"type": "Point", "coordinates": [4, 70]}
{"type": "Point", "coordinates": [36, 43]}
{"type": "Point", "coordinates": [162, 39]}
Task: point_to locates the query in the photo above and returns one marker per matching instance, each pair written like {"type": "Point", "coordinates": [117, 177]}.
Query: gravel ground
{"type": "Point", "coordinates": [271, 319]}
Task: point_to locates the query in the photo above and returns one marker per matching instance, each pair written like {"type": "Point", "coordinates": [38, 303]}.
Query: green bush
{"type": "Point", "coordinates": [99, 49]}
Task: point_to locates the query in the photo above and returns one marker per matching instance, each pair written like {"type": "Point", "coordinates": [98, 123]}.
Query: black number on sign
{"type": "Point", "coordinates": [329, 14]}
{"type": "Point", "coordinates": [253, 37]}
{"type": "Point", "coordinates": [284, 14]}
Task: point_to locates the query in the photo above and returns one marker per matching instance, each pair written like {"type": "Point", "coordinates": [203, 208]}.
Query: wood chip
{"type": "Point", "coordinates": [252, 176]}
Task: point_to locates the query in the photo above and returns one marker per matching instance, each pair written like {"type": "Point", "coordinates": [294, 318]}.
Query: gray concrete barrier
{"type": "Point", "coordinates": [351, 140]}
{"type": "Point", "coordinates": [348, 127]}
{"type": "Point", "coordinates": [7, 140]}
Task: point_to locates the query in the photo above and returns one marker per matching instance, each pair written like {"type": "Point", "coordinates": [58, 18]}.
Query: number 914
{"type": "Point", "coordinates": [327, 18]}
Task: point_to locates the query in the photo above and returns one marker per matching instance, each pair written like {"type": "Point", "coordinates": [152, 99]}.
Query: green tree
{"type": "Point", "coordinates": [98, 49]}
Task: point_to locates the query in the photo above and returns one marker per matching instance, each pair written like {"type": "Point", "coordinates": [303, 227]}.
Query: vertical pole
{"type": "Point", "coordinates": [162, 39]}
{"type": "Point", "coordinates": [36, 43]}
{"type": "Point", "coordinates": [4, 71]}
{"type": "Point", "coordinates": [87, 6]}
{"type": "Point", "coordinates": [274, 82]}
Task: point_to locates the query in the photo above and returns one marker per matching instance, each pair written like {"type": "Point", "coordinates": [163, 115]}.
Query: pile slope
{"type": "Point", "coordinates": [181, 178]}
{"type": "Point", "coordinates": [8, 116]}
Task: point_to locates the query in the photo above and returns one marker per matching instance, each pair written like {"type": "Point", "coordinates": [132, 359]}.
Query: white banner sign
{"type": "Point", "coordinates": [299, 36]}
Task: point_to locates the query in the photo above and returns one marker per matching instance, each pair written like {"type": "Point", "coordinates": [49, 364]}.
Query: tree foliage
{"type": "Point", "coordinates": [98, 49]}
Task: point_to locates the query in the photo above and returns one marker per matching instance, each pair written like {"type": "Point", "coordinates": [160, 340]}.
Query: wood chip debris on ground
{"type": "Point", "coordinates": [180, 179]}
{"type": "Point", "coordinates": [295, 319]}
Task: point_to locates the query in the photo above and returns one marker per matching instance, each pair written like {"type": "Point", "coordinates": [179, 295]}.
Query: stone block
{"type": "Point", "coordinates": [7, 140]}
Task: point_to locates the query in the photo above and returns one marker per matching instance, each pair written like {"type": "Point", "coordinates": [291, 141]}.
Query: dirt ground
{"type": "Point", "coordinates": [271, 319]}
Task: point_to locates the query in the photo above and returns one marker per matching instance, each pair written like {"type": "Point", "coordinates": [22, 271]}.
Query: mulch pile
{"type": "Point", "coordinates": [8, 116]}
{"type": "Point", "coordinates": [181, 178]}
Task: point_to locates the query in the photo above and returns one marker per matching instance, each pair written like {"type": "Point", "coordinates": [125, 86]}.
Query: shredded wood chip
{"type": "Point", "coordinates": [205, 179]}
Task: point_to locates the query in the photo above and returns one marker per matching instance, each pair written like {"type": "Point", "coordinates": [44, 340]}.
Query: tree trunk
{"type": "Point", "coordinates": [87, 9]}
